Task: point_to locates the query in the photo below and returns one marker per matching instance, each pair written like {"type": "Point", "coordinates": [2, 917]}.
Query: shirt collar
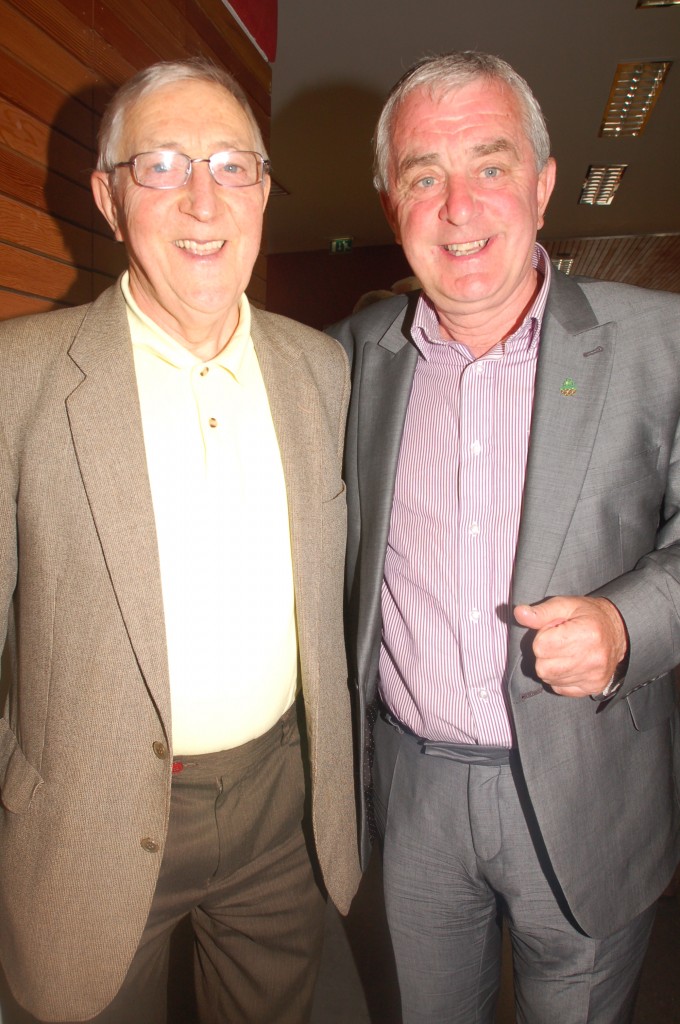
{"type": "Point", "coordinates": [146, 334]}
{"type": "Point", "coordinates": [426, 329]}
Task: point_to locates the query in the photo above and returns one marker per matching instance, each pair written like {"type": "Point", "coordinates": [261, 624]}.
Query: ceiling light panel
{"type": "Point", "coordinates": [658, 3]}
{"type": "Point", "coordinates": [563, 262]}
{"type": "Point", "coordinates": [601, 184]}
{"type": "Point", "coordinates": [634, 92]}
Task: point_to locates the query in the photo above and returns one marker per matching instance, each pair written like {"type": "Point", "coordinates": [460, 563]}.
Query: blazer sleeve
{"type": "Point", "coordinates": [648, 598]}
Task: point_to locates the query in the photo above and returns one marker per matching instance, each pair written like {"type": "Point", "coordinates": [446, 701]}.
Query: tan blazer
{"type": "Point", "coordinates": [82, 785]}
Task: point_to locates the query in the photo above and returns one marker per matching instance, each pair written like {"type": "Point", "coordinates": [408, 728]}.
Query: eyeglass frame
{"type": "Point", "coordinates": [265, 167]}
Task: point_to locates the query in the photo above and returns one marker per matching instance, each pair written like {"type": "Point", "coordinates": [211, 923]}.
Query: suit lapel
{"type": "Point", "coordinates": [572, 378]}
{"type": "Point", "coordinates": [384, 389]}
{"type": "Point", "coordinates": [294, 405]}
{"type": "Point", "coordinates": [107, 435]}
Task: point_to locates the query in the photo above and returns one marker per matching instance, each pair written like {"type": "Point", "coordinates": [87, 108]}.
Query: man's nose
{"type": "Point", "coordinates": [458, 200]}
{"type": "Point", "coordinates": [201, 194]}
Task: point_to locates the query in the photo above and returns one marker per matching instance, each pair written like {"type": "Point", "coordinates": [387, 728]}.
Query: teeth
{"type": "Point", "coordinates": [199, 248]}
{"type": "Point", "coordinates": [465, 248]}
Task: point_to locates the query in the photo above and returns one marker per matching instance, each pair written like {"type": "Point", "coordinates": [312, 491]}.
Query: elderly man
{"type": "Point", "coordinates": [172, 527]}
{"type": "Point", "coordinates": [513, 471]}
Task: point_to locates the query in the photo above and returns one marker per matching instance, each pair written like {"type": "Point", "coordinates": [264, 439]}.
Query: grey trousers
{"type": "Point", "coordinates": [237, 861]}
{"type": "Point", "coordinates": [457, 858]}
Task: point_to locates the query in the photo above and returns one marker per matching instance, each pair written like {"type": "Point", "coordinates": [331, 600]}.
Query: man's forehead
{"type": "Point", "coordinates": [160, 118]}
{"type": "Point", "coordinates": [492, 131]}
{"type": "Point", "coordinates": [479, 98]}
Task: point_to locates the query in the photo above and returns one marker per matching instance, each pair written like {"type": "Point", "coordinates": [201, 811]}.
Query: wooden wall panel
{"type": "Point", "coordinates": [648, 261]}
{"type": "Point", "coordinates": [60, 61]}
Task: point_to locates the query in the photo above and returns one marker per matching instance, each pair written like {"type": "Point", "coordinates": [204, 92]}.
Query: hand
{"type": "Point", "coordinates": [578, 644]}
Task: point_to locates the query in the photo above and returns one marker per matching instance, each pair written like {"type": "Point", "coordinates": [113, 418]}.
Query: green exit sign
{"type": "Point", "coordinates": [341, 244]}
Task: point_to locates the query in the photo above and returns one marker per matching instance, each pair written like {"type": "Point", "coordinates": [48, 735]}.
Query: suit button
{"type": "Point", "coordinates": [150, 845]}
{"type": "Point", "coordinates": [160, 750]}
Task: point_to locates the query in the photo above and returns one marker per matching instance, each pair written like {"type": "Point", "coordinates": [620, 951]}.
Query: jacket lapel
{"type": "Point", "coordinates": [293, 402]}
{"type": "Point", "coordinates": [572, 378]}
{"type": "Point", "coordinates": [384, 388]}
{"type": "Point", "coordinates": [106, 427]}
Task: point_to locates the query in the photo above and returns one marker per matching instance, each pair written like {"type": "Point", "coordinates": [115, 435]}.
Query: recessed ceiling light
{"type": "Point", "coordinates": [563, 261]}
{"type": "Point", "coordinates": [635, 90]}
{"type": "Point", "coordinates": [658, 3]}
{"type": "Point", "coordinates": [601, 183]}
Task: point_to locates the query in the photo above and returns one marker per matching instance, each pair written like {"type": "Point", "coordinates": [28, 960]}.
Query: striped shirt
{"type": "Point", "coordinates": [453, 530]}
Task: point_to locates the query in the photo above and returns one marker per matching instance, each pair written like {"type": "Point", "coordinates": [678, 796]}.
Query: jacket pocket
{"type": "Point", "coordinates": [18, 778]}
{"type": "Point", "coordinates": [652, 704]}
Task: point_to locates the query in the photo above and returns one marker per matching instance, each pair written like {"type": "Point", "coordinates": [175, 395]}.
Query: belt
{"type": "Point", "coordinates": [465, 753]}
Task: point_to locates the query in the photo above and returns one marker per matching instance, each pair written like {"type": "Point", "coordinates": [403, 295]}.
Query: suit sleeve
{"type": "Point", "coordinates": [648, 598]}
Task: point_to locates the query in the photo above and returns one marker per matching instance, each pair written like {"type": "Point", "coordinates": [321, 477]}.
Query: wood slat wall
{"type": "Point", "coordinates": [60, 62]}
{"type": "Point", "coordinates": [648, 261]}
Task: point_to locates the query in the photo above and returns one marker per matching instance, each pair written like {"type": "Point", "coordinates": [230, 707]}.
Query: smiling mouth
{"type": "Point", "coordinates": [199, 248]}
{"type": "Point", "coordinates": [466, 248]}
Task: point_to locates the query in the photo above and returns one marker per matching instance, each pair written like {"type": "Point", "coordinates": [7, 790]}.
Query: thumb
{"type": "Point", "coordinates": [538, 616]}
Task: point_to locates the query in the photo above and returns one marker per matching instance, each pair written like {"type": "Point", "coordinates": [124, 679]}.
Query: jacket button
{"type": "Point", "coordinates": [150, 845]}
{"type": "Point", "coordinates": [160, 750]}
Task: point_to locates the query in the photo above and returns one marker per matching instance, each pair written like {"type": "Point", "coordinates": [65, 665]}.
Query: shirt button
{"type": "Point", "coordinates": [475, 447]}
{"type": "Point", "coordinates": [474, 529]}
{"type": "Point", "coordinates": [150, 845]}
{"type": "Point", "coordinates": [475, 615]}
{"type": "Point", "coordinates": [205, 371]}
{"type": "Point", "coordinates": [212, 422]}
{"type": "Point", "coordinates": [483, 694]}
{"type": "Point", "coordinates": [160, 750]}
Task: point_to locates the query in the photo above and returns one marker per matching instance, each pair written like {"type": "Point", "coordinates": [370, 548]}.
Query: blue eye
{"type": "Point", "coordinates": [491, 172]}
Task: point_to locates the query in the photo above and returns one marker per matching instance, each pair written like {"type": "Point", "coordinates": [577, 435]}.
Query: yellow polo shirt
{"type": "Point", "coordinates": [221, 514]}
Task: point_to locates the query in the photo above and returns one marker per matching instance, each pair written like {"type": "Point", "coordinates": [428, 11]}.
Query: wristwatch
{"type": "Point", "coordinates": [614, 684]}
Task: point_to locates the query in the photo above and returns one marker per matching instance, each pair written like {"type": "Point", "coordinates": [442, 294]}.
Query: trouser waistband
{"type": "Point", "coordinates": [236, 759]}
{"type": "Point", "coordinates": [466, 753]}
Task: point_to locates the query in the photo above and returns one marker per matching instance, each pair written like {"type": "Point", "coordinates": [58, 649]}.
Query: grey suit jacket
{"type": "Point", "coordinates": [85, 666]}
{"type": "Point", "coordinates": [601, 515]}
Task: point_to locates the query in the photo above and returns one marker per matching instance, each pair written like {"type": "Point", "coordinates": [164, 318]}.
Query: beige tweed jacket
{"type": "Point", "coordinates": [85, 677]}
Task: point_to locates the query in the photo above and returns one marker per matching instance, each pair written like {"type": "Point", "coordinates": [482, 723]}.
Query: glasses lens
{"type": "Point", "coordinates": [235, 168]}
{"type": "Point", "coordinates": [162, 168]}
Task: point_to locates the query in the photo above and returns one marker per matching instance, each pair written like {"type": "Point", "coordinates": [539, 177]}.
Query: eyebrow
{"type": "Point", "coordinates": [419, 160]}
{"type": "Point", "coordinates": [178, 147]}
{"type": "Point", "coordinates": [499, 145]}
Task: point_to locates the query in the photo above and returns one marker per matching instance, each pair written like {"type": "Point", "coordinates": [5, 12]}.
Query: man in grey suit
{"type": "Point", "coordinates": [172, 534]}
{"type": "Point", "coordinates": [513, 475]}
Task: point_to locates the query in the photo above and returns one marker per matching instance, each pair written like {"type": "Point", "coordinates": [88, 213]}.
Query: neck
{"type": "Point", "coordinates": [480, 331]}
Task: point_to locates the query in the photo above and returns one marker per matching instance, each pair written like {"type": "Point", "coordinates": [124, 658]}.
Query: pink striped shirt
{"type": "Point", "coordinates": [453, 531]}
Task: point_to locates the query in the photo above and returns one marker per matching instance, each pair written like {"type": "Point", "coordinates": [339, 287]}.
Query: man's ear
{"type": "Point", "coordinates": [388, 210]}
{"type": "Point", "coordinates": [102, 190]}
{"type": "Point", "coordinates": [266, 187]}
{"type": "Point", "coordinates": [545, 186]}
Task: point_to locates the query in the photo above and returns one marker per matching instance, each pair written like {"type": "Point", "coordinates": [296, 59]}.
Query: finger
{"type": "Point", "coordinates": [547, 613]}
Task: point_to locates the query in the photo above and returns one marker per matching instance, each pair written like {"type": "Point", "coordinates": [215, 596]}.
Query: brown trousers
{"type": "Point", "coordinates": [237, 861]}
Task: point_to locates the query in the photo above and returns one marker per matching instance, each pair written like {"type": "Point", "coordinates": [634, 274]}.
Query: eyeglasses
{"type": "Point", "coordinates": [165, 168]}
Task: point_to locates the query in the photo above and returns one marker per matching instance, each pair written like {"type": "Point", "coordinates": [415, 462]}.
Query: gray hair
{"type": "Point", "coordinates": [448, 71]}
{"type": "Point", "coordinates": [196, 69]}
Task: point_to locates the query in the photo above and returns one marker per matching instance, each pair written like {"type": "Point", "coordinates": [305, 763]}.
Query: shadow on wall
{"type": "Point", "coordinates": [92, 258]}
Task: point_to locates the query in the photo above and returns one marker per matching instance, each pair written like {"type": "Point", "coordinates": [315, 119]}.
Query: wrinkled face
{"type": "Point", "coordinates": [465, 200]}
{"type": "Point", "coordinates": [191, 250]}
